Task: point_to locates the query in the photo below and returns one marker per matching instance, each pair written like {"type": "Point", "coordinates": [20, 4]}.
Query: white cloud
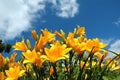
{"type": "Point", "coordinates": [66, 8]}
{"type": "Point", "coordinates": [16, 15]}
{"type": "Point", "coordinates": [115, 47]}
{"type": "Point", "coordinates": [117, 22]}
{"type": "Point", "coordinates": [106, 41]}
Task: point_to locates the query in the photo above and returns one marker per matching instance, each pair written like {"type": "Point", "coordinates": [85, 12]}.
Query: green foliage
{"type": "Point", "coordinates": [4, 47]}
{"type": "Point", "coordinates": [112, 75]}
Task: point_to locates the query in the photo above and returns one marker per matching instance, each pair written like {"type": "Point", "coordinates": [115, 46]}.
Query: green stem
{"type": "Point", "coordinates": [82, 69]}
{"type": "Point", "coordinates": [70, 63]}
{"type": "Point", "coordinates": [66, 66]}
{"type": "Point", "coordinates": [39, 73]}
{"type": "Point", "coordinates": [106, 68]}
{"type": "Point", "coordinates": [91, 56]}
{"type": "Point", "coordinates": [35, 70]}
{"type": "Point", "coordinates": [55, 71]}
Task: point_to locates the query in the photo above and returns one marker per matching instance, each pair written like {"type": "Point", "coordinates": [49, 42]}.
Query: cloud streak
{"type": "Point", "coordinates": [117, 23]}
{"type": "Point", "coordinates": [66, 8]}
{"type": "Point", "coordinates": [113, 45]}
{"type": "Point", "coordinates": [16, 15]}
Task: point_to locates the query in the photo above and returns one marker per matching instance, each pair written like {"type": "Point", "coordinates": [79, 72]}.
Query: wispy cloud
{"type": "Point", "coordinates": [66, 8]}
{"type": "Point", "coordinates": [115, 46]}
{"type": "Point", "coordinates": [107, 41]}
{"type": "Point", "coordinates": [16, 15]}
{"type": "Point", "coordinates": [117, 23]}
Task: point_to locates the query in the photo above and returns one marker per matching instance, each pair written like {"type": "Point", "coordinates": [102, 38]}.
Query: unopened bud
{"type": "Point", "coordinates": [34, 34]}
{"type": "Point", "coordinates": [28, 44]}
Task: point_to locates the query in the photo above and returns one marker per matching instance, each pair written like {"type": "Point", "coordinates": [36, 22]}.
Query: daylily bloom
{"type": "Point", "coordinates": [80, 31]}
{"type": "Point", "coordinates": [45, 32]}
{"type": "Point", "coordinates": [112, 64]}
{"type": "Point", "coordinates": [86, 65]}
{"type": "Point", "coordinates": [28, 67]}
{"type": "Point", "coordinates": [2, 76]}
{"type": "Point", "coordinates": [41, 43]}
{"type": "Point", "coordinates": [94, 63]}
{"type": "Point", "coordinates": [1, 60]}
{"type": "Point", "coordinates": [100, 55]}
{"type": "Point", "coordinates": [46, 37]}
{"type": "Point", "coordinates": [76, 43]}
{"type": "Point", "coordinates": [14, 73]}
{"type": "Point", "coordinates": [56, 52]}
{"type": "Point", "coordinates": [33, 57]}
{"type": "Point", "coordinates": [6, 60]}
{"type": "Point", "coordinates": [116, 68]}
{"type": "Point", "coordinates": [94, 45]}
{"type": "Point", "coordinates": [70, 40]}
{"type": "Point", "coordinates": [12, 62]}
{"type": "Point", "coordinates": [30, 56]}
{"type": "Point", "coordinates": [15, 64]}
{"type": "Point", "coordinates": [20, 46]}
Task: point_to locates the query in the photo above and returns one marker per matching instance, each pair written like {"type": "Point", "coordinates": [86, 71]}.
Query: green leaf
{"type": "Point", "coordinates": [105, 78]}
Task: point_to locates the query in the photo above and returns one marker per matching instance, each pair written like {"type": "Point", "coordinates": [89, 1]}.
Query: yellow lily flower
{"type": "Point", "coordinates": [80, 31]}
{"type": "Point", "coordinates": [2, 76]}
{"type": "Point", "coordinates": [45, 32]}
{"type": "Point", "coordinates": [33, 57]}
{"type": "Point", "coordinates": [1, 60]}
{"type": "Point", "coordinates": [112, 64]}
{"type": "Point", "coordinates": [94, 63]}
{"type": "Point", "coordinates": [70, 40]}
{"type": "Point", "coordinates": [39, 61]}
{"type": "Point", "coordinates": [41, 43]}
{"type": "Point", "coordinates": [46, 37]}
{"type": "Point", "coordinates": [86, 65]}
{"type": "Point", "coordinates": [30, 56]}
{"type": "Point", "coordinates": [117, 68]}
{"type": "Point", "coordinates": [95, 45]}
{"type": "Point", "coordinates": [56, 52]}
{"type": "Point", "coordinates": [20, 46]}
{"type": "Point", "coordinates": [6, 60]}
{"type": "Point", "coordinates": [14, 73]}
{"type": "Point", "coordinates": [100, 55]}
{"type": "Point", "coordinates": [14, 64]}
{"type": "Point", "coordinates": [77, 44]}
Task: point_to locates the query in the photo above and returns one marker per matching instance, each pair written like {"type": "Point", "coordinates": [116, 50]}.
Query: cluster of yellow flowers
{"type": "Point", "coordinates": [48, 48]}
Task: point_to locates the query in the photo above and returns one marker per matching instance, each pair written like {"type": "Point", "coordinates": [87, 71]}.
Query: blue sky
{"type": "Point", "coordinates": [101, 18]}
